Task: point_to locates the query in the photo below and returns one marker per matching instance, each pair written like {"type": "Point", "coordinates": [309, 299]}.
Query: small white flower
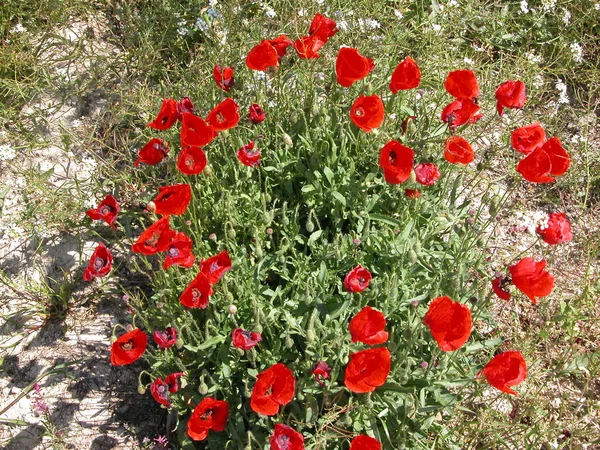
{"type": "Point", "coordinates": [577, 52]}
{"type": "Point", "coordinates": [566, 18]}
{"type": "Point", "coordinates": [213, 14]}
{"type": "Point", "coordinates": [452, 3]}
{"type": "Point", "coordinates": [18, 28]}
{"type": "Point", "coordinates": [320, 76]}
{"type": "Point", "coordinates": [213, 3]}
{"type": "Point", "coordinates": [398, 14]}
{"type": "Point", "coordinates": [532, 57]}
{"type": "Point", "coordinates": [524, 6]}
{"type": "Point", "coordinates": [468, 60]}
{"type": "Point", "coordinates": [549, 5]}
{"type": "Point", "coordinates": [202, 25]}
{"type": "Point", "coordinates": [562, 90]}
{"type": "Point", "coordinates": [393, 116]}
{"type": "Point", "coordinates": [270, 12]}
{"type": "Point", "coordinates": [597, 6]}
{"type": "Point", "coordinates": [76, 123]}
{"type": "Point", "coordinates": [7, 152]}
{"type": "Point", "coordinates": [539, 81]}
{"type": "Point", "coordinates": [437, 28]}
{"type": "Point", "coordinates": [368, 24]}
{"type": "Point", "coordinates": [478, 48]}
{"type": "Point", "coordinates": [342, 25]}
{"type": "Point", "coordinates": [378, 38]}
{"type": "Point", "coordinates": [301, 12]}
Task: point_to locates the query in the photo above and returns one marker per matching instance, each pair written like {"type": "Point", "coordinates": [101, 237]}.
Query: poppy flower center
{"type": "Point", "coordinates": [269, 390]}
{"type": "Point", "coordinates": [189, 161]}
{"type": "Point", "coordinates": [359, 112]}
{"type": "Point", "coordinates": [160, 148]}
{"type": "Point", "coordinates": [206, 415]}
{"type": "Point", "coordinates": [153, 240]}
{"type": "Point", "coordinates": [220, 118]}
{"type": "Point", "coordinates": [196, 294]}
{"type": "Point", "coordinates": [392, 157]}
{"type": "Point", "coordinates": [164, 120]}
{"type": "Point", "coordinates": [105, 210]}
{"type": "Point", "coordinates": [127, 346]}
{"type": "Point", "coordinates": [99, 263]}
{"type": "Point", "coordinates": [283, 441]}
{"type": "Point", "coordinates": [172, 252]}
{"type": "Point", "coordinates": [213, 267]}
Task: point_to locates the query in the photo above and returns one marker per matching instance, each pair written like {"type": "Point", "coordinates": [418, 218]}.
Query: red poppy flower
{"type": "Point", "coordinates": [367, 112]}
{"type": "Point", "coordinates": [427, 173]}
{"type": "Point", "coordinates": [549, 159]}
{"type": "Point", "coordinates": [245, 339]}
{"type": "Point", "coordinates": [449, 322]}
{"type": "Point", "coordinates": [160, 389]}
{"type": "Point", "coordinates": [256, 113]}
{"type": "Point", "coordinates": [197, 293]}
{"type": "Point", "coordinates": [406, 76]}
{"type": "Point", "coordinates": [531, 279]}
{"type": "Point", "coordinates": [458, 150]}
{"type": "Point", "coordinates": [274, 387]}
{"type": "Point", "coordinates": [167, 115]}
{"type": "Point", "coordinates": [155, 238]}
{"type": "Point", "coordinates": [286, 438]}
{"type": "Point", "coordinates": [357, 280]}
{"type": "Point", "coordinates": [184, 105]}
{"type": "Point", "coordinates": [179, 251]}
{"type": "Point", "coordinates": [351, 66]}
{"type": "Point", "coordinates": [367, 370]}
{"type": "Point", "coordinates": [224, 116]}
{"type": "Point", "coordinates": [280, 44]}
{"type": "Point", "coordinates": [215, 267]}
{"type": "Point", "coordinates": [128, 347]}
{"type": "Point", "coordinates": [462, 84]}
{"type": "Point", "coordinates": [364, 442]}
{"type": "Point", "coordinates": [556, 229]}
{"type": "Point", "coordinates": [460, 112]}
{"type": "Point", "coordinates": [412, 193]}
{"type": "Point", "coordinates": [397, 162]}
{"type": "Point", "coordinates": [526, 139]}
{"type": "Point", "coordinates": [153, 152]}
{"type": "Point", "coordinates": [322, 27]}
{"type": "Point", "coordinates": [308, 46]}
{"type": "Point", "coordinates": [210, 414]}
{"type": "Point", "coordinates": [498, 286]}
{"type": "Point", "coordinates": [195, 132]}
{"type": "Point", "coordinates": [100, 263]}
{"type": "Point", "coordinates": [107, 210]}
{"type": "Point", "coordinates": [510, 94]}
{"type": "Point", "coordinates": [262, 56]}
{"type": "Point", "coordinates": [321, 371]}
{"type": "Point", "coordinates": [223, 76]}
{"type": "Point", "coordinates": [165, 338]}
{"type": "Point", "coordinates": [191, 160]}
{"type": "Point", "coordinates": [248, 156]}
{"type": "Point", "coordinates": [505, 370]}
{"type": "Point", "coordinates": [173, 200]}
{"type": "Point", "coordinates": [368, 327]}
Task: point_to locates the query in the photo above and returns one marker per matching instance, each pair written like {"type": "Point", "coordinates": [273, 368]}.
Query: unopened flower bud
{"type": "Point", "coordinates": [424, 365]}
{"type": "Point", "coordinates": [269, 231]}
{"type": "Point", "coordinates": [207, 171]}
{"type": "Point", "coordinates": [203, 388]}
{"type": "Point", "coordinates": [231, 233]}
{"type": "Point", "coordinates": [289, 342]}
{"type": "Point", "coordinates": [412, 177]}
{"type": "Point", "coordinates": [287, 140]}
{"type": "Point", "coordinates": [179, 343]}
{"type": "Point", "coordinates": [412, 256]}
{"type": "Point", "coordinates": [151, 206]}
{"type": "Point", "coordinates": [212, 236]}
{"type": "Point", "coordinates": [232, 310]}
{"type": "Point", "coordinates": [141, 389]}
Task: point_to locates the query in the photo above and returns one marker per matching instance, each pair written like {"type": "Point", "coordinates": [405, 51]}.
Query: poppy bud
{"type": "Point", "coordinates": [240, 351]}
{"type": "Point", "coordinates": [287, 140]}
{"type": "Point", "coordinates": [231, 233]}
{"type": "Point", "coordinates": [417, 247]}
{"type": "Point", "coordinates": [212, 236]}
{"type": "Point", "coordinates": [310, 335]}
{"type": "Point", "coordinates": [300, 396]}
{"type": "Point", "coordinates": [368, 401]}
{"type": "Point", "coordinates": [413, 176]}
{"type": "Point", "coordinates": [229, 297]}
{"type": "Point", "coordinates": [289, 342]}
{"type": "Point", "coordinates": [346, 419]}
{"type": "Point", "coordinates": [113, 338]}
{"type": "Point", "coordinates": [494, 203]}
{"type": "Point", "coordinates": [141, 389]}
{"type": "Point", "coordinates": [232, 309]}
{"type": "Point", "coordinates": [203, 388]}
{"type": "Point", "coordinates": [310, 226]}
{"type": "Point", "coordinates": [412, 256]}
{"type": "Point", "coordinates": [258, 252]}
{"type": "Point", "coordinates": [151, 206]}
{"type": "Point", "coordinates": [207, 171]}
{"type": "Point", "coordinates": [285, 221]}
{"type": "Point", "coordinates": [179, 343]}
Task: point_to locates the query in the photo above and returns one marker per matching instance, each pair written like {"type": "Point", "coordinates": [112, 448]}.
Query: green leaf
{"type": "Point", "coordinates": [314, 236]}
{"type": "Point", "coordinates": [385, 219]}
{"type": "Point", "coordinates": [339, 197]}
{"type": "Point", "coordinates": [329, 175]}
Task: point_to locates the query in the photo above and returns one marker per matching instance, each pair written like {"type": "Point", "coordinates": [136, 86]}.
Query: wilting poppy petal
{"type": "Point", "coordinates": [321, 371]}
{"type": "Point", "coordinates": [526, 139]}
{"type": "Point", "coordinates": [155, 238]}
{"type": "Point", "coordinates": [224, 116]}
{"type": "Point", "coordinates": [195, 132]}
{"type": "Point", "coordinates": [536, 167]}
{"type": "Point", "coordinates": [248, 156]}
{"type": "Point", "coordinates": [280, 44]}
{"type": "Point", "coordinates": [412, 193]}
{"type": "Point", "coordinates": [406, 76]}
{"type": "Point", "coordinates": [165, 338]}
{"type": "Point", "coordinates": [197, 293]}
{"type": "Point", "coordinates": [351, 66]}
{"type": "Point", "coordinates": [172, 381]}
{"type": "Point", "coordinates": [223, 77]}
{"type": "Point", "coordinates": [179, 251]}
{"type": "Point", "coordinates": [322, 27]}
{"type": "Point", "coordinates": [167, 115]}
{"type": "Point", "coordinates": [153, 152]}
{"type": "Point", "coordinates": [460, 112]}
{"type": "Point", "coordinates": [462, 84]}
{"type": "Point", "coordinates": [498, 288]}
{"type": "Point", "coordinates": [245, 339]}
{"type": "Point", "coordinates": [210, 414]}
{"type": "Point", "coordinates": [427, 173]}
{"type": "Point", "coordinates": [215, 267]}
{"type": "Point", "coordinates": [505, 370]}
{"type": "Point", "coordinates": [191, 160]}
{"type": "Point", "coordinates": [256, 113]}
{"type": "Point", "coordinates": [308, 46]}
{"type": "Point", "coordinates": [397, 162]}
{"type": "Point", "coordinates": [368, 327]}
{"type": "Point", "coordinates": [449, 322]}
{"type": "Point", "coordinates": [510, 94]}
{"type": "Point", "coordinates": [286, 438]}
{"type": "Point", "coordinates": [367, 370]}
{"type": "Point", "coordinates": [160, 392]}
{"type": "Point", "coordinates": [128, 347]}
{"type": "Point", "coordinates": [262, 56]}
{"type": "Point", "coordinates": [173, 200]}
{"type": "Point", "coordinates": [184, 105]}
{"type": "Point", "coordinates": [274, 387]}
{"type": "Point", "coordinates": [531, 279]}
{"type": "Point", "coordinates": [100, 263]}
{"type": "Point", "coordinates": [357, 280]}
{"type": "Point", "coordinates": [367, 112]}
{"type": "Point", "coordinates": [556, 229]}
{"type": "Point", "coordinates": [364, 442]}
{"type": "Point", "coordinates": [458, 150]}
{"type": "Point", "coordinates": [107, 210]}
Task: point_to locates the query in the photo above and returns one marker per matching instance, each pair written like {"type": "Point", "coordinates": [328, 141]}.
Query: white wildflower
{"type": "Point", "coordinates": [548, 5]}
{"type": "Point", "coordinates": [452, 3]}
{"type": "Point", "coordinates": [478, 48]}
{"type": "Point", "coordinates": [378, 38]}
{"type": "Point", "coordinates": [398, 14]}
{"type": "Point", "coordinates": [182, 30]}
{"type": "Point", "coordinates": [76, 123]}
{"type": "Point", "coordinates": [302, 12]}
{"type": "Point", "coordinates": [213, 14]}
{"type": "Point", "coordinates": [524, 6]}
{"type": "Point", "coordinates": [202, 25]}
{"type": "Point", "coordinates": [320, 76]}
{"type": "Point", "coordinates": [213, 3]}
{"type": "Point", "coordinates": [468, 60]}
{"type": "Point", "coordinates": [270, 12]}
{"type": "Point", "coordinates": [435, 27]}
{"type": "Point", "coordinates": [7, 152]}
{"type": "Point", "coordinates": [532, 57]}
{"type": "Point", "coordinates": [18, 28]}
{"type": "Point", "coordinates": [393, 116]}
{"type": "Point", "coordinates": [577, 52]}
{"type": "Point", "coordinates": [562, 90]}
{"type": "Point", "coordinates": [368, 24]}
{"type": "Point", "coordinates": [566, 18]}
{"type": "Point", "coordinates": [538, 82]}
{"type": "Point", "coordinates": [272, 103]}
{"type": "Point", "coordinates": [597, 6]}
{"type": "Point", "coordinates": [342, 25]}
